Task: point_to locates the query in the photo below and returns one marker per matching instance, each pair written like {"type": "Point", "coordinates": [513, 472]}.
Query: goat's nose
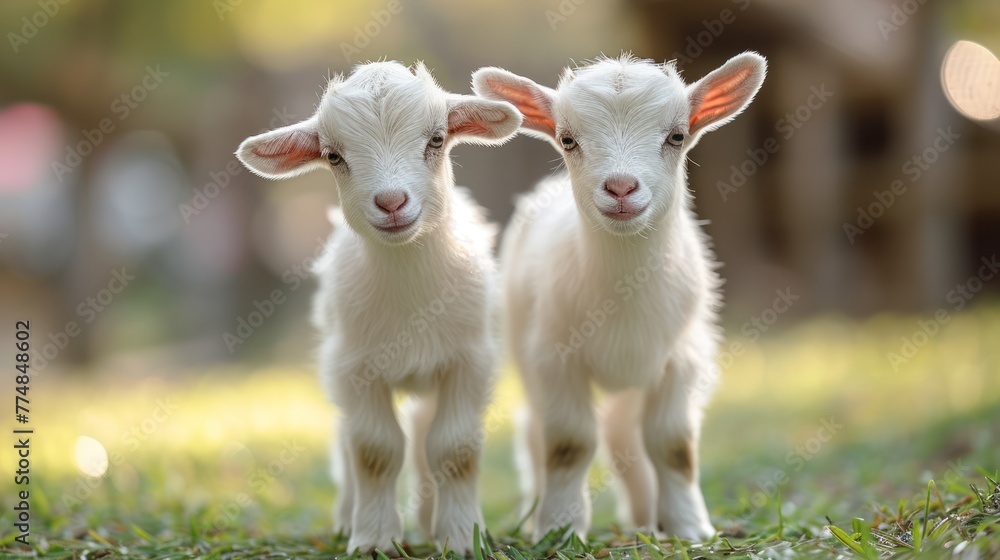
{"type": "Point", "coordinates": [620, 187]}
{"type": "Point", "coordinates": [390, 202]}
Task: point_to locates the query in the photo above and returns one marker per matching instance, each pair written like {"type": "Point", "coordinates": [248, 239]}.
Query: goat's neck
{"type": "Point", "coordinates": [618, 254]}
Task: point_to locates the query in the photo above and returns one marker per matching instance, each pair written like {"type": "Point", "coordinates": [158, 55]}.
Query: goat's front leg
{"type": "Point", "coordinates": [453, 448]}
{"type": "Point", "coordinates": [562, 401]}
{"type": "Point", "coordinates": [671, 428]}
{"type": "Point", "coordinates": [375, 449]}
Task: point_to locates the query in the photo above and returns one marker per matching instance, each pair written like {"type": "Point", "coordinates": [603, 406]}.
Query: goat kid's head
{"type": "Point", "coordinates": [624, 127]}
{"type": "Point", "coordinates": [384, 132]}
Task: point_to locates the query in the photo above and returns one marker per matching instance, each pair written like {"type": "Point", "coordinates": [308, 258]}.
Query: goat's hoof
{"type": "Point", "coordinates": [368, 543]}
{"type": "Point", "coordinates": [694, 531]}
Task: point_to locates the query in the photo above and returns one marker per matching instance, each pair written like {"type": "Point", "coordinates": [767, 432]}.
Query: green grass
{"type": "Point", "coordinates": [192, 483]}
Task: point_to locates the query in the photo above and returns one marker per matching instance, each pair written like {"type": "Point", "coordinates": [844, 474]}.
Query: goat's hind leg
{"type": "Point", "coordinates": [621, 428]}
{"type": "Point", "coordinates": [529, 457]}
{"type": "Point", "coordinates": [423, 493]}
{"type": "Point", "coordinates": [343, 478]}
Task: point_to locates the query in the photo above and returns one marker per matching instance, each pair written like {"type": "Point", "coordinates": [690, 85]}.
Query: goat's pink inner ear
{"type": "Point", "coordinates": [536, 112]}
{"type": "Point", "coordinates": [466, 126]}
{"type": "Point", "coordinates": [722, 97]}
{"type": "Point", "coordinates": [290, 150]}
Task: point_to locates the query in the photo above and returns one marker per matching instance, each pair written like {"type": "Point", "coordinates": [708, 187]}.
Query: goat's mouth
{"type": "Point", "coordinates": [623, 215]}
{"type": "Point", "coordinates": [399, 225]}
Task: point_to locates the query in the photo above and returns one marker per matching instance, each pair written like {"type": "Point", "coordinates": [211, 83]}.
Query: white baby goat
{"type": "Point", "coordinates": [618, 289]}
{"type": "Point", "coordinates": [406, 296]}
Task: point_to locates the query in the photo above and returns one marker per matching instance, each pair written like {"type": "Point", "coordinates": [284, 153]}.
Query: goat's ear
{"type": "Point", "coordinates": [481, 121]}
{"type": "Point", "coordinates": [533, 101]}
{"type": "Point", "coordinates": [721, 95]}
{"type": "Point", "coordinates": [284, 152]}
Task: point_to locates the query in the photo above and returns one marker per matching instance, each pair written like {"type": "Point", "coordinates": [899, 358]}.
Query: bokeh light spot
{"type": "Point", "coordinates": [29, 139]}
{"type": "Point", "coordinates": [90, 456]}
{"type": "Point", "coordinates": [970, 75]}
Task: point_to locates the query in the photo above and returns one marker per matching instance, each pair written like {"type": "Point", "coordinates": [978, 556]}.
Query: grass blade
{"type": "Point", "coordinates": [486, 542]}
{"type": "Point", "coordinates": [143, 534]}
{"type": "Point", "coordinates": [399, 549]}
{"type": "Point", "coordinates": [550, 541]}
{"type": "Point", "coordinates": [867, 541]}
{"type": "Point", "coordinates": [781, 519]}
{"type": "Point", "coordinates": [892, 540]}
{"type": "Point", "coordinates": [654, 550]}
{"type": "Point", "coordinates": [477, 545]}
{"type": "Point", "coordinates": [846, 540]}
{"type": "Point", "coordinates": [93, 534]}
{"type": "Point", "coordinates": [927, 508]}
{"type": "Point", "coordinates": [517, 530]}
{"type": "Point", "coordinates": [678, 545]}
{"type": "Point", "coordinates": [515, 553]}
{"type": "Point", "coordinates": [578, 545]}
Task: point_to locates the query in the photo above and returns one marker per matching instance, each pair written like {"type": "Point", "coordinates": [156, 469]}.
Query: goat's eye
{"type": "Point", "coordinates": [436, 141]}
{"type": "Point", "coordinates": [334, 158]}
{"type": "Point", "coordinates": [675, 139]}
{"type": "Point", "coordinates": [568, 143]}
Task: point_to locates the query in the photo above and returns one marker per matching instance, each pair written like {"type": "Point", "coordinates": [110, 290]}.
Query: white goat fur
{"type": "Point", "coordinates": [412, 309]}
{"type": "Point", "coordinates": [628, 304]}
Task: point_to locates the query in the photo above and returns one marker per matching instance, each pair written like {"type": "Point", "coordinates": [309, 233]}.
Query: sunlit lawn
{"type": "Point", "coordinates": [233, 462]}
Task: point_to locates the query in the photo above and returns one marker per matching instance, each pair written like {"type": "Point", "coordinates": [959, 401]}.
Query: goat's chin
{"type": "Point", "coordinates": [635, 226]}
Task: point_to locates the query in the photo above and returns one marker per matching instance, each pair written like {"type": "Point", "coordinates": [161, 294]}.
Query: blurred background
{"type": "Point", "coordinates": [863, 183]}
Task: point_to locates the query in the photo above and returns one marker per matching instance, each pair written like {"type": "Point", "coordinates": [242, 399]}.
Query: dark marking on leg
{"type": "Point", "coordinates": [460, 464]}
{"type": "Point", "coordinates": [680, 457]}
{"type": "Point", "coordinates": [566, 454]}
{"type": "Point", "coordinates": [372, 461]}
